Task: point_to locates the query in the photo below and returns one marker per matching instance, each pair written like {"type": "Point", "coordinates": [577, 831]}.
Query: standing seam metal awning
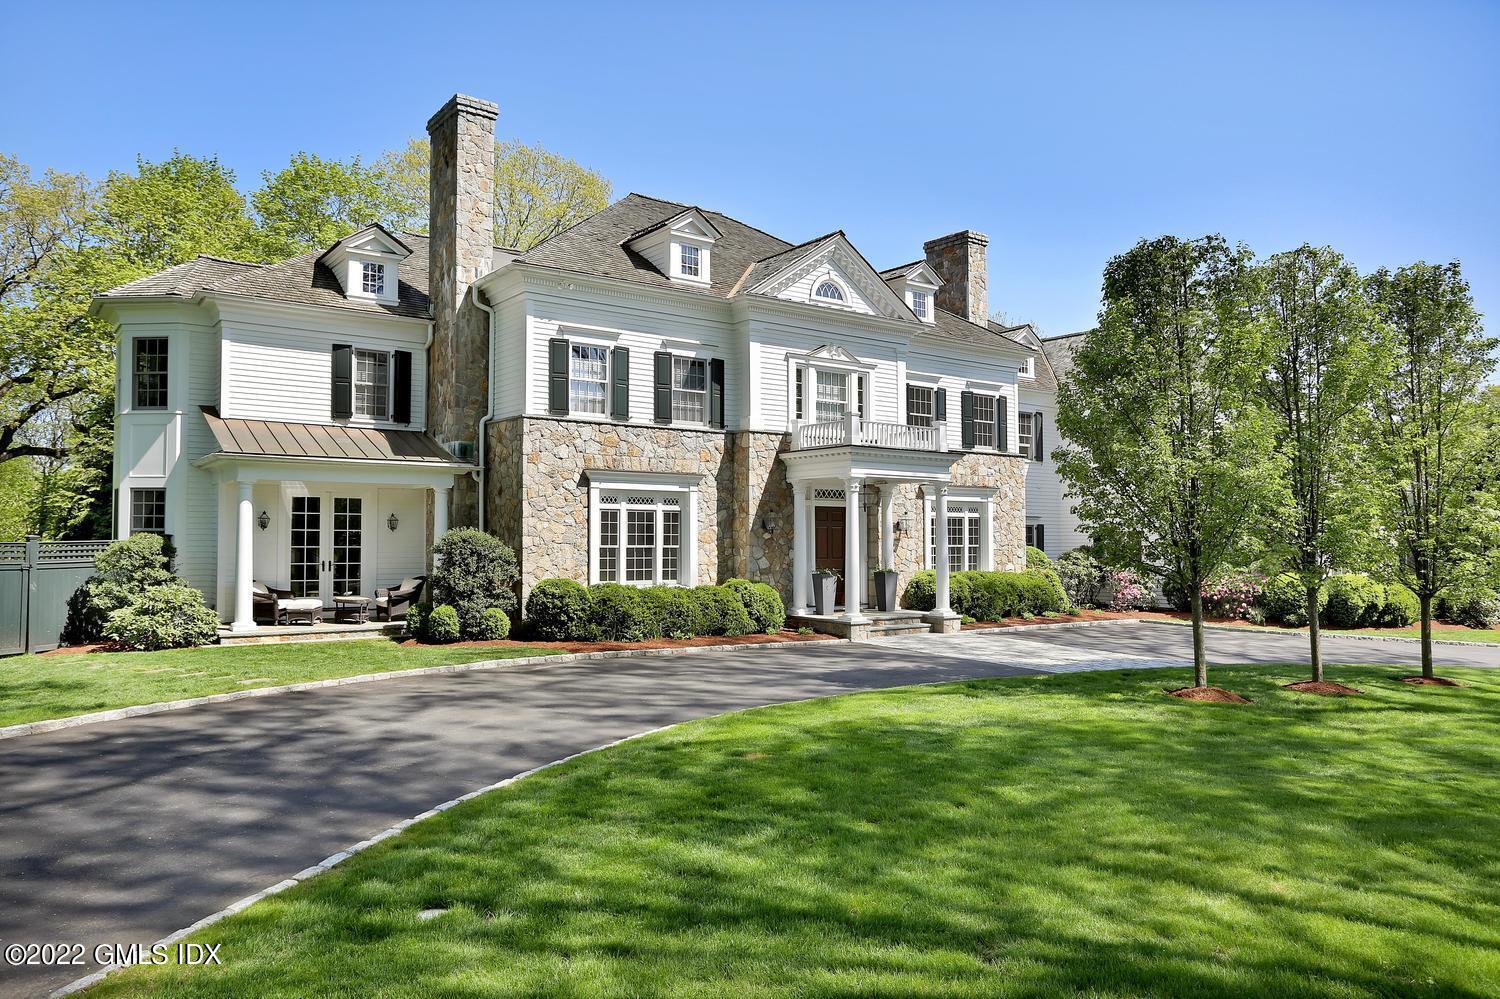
{"type": "Point", "coordinates": [275, 439]}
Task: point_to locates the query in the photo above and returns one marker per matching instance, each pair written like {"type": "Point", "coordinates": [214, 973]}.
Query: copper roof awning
{"type": "Point", "coordinates": [295, 441]}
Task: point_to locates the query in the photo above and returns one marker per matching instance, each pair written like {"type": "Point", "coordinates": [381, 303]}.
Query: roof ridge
{"type": "Point", "coordinates": [227, 260]}
{"type": "Point", "coordinates": [801, 245]}
{"type": "Point", "coordinates": [711, 211]}
{"type": "Point", "coordinates": [903, 267]}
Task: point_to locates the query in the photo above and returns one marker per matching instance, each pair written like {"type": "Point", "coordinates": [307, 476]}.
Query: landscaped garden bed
{"type": "Point", "coordinates": [699, 642]}
{"type": "Point", "coordinates": [1099, 838]}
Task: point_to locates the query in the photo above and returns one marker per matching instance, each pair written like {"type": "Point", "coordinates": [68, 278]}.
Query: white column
{"type": "Point", "coordinates": [987, 536]}
{"type": "Point", "coordinates": [689, 540]}
{"type": "Point", "coordinates": [854, 569]}
{"type": "Point", "coordinates": [940, 539]}
{"type": "Point", "coordinates": [244, 561]}
{"type": "Point", "coordinates": [801, 546]}
{"type": "Point", "coordinates": [439, 511]}
{"type": "Point", "coordinates": [887, 526]}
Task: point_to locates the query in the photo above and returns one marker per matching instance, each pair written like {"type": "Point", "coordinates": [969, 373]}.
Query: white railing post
{"type": "Point", "coordinates": [851, 427]}
{"type": "Point", "coordinates": [940, 435]}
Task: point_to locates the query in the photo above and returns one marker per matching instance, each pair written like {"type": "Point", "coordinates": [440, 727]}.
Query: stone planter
{"type": "Point", "coordinates": [825, 591]}
{"type": "Point", "coordinates": [885, 589]}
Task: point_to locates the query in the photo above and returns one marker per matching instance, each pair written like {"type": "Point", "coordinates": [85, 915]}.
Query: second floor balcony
{"type": "Point", "coordinates": [851, 430]}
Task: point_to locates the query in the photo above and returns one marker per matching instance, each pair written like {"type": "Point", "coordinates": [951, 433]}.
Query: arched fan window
{"type": "Point", "coordinates": [830, 291]}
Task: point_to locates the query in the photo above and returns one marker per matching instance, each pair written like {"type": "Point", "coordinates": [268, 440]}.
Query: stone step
{"type": "Point", "coordinates": [899, 628]}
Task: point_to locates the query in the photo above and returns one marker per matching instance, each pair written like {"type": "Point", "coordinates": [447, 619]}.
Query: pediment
{"type": "Point", "coordinates": [833, 352]}
{"type": "Point", "coordinates": [834, 259]}
{"type": "Point", "coordinates": [375, 239]}
{"type": "Point", "coordinates": [919, 274]}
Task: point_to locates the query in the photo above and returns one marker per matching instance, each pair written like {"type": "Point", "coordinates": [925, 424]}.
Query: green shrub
{"type": "Point", "coordinates": [1083, 578]}
{"type": "Point", "coordinates": [416, 620]}
{"type": "Point", "coordinates": [1399, 608]}
{"type": "Point", "coordinates": [621, 614]}
{"type": "Point", "coordinates": [494, 624]}
{"type": "Point", "coordinates": [1055, 599]}
{"type": "Point", "coordinates": [1037, 559]}
{"type": "Point", "coordinates": [1354, 600]}
{"type": "Point", "coordinates": [559, 610]}
{"type": "Point", "coordinates": [675, 610]}
{"type": "Point", "coordinates": [125, 570]}
{"type": "Point", "coordinates": [472, 571]}
{"type": "Point", "coordinates": [762, 602]}
{"type": "Point", "coordinates": [1284, 598]}
{"type": "Point", "coordinates": [441, 626]}
{"type": "Point", "coordinates": [991, 596]}
{"type": "Point", "coordinates": [1473, 606]}
{"type": "Point", "coordinates": [167, 616]}
{"type": "Point", "coordinates": [921, 591]}
{"type": "Point", "coordinates": [719, 612]}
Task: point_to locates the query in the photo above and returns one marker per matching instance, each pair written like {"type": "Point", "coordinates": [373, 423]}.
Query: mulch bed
{"type": "Point", "coordinates": [1430, 681]}
{"type": "Point", "coordinates": [73, 650]}
{"type": "Point", "coordinates": [702, 642]}
{"type": "Point", "coordinates": [1325, 687]}
{"type": "Point", "coordinates": [1216, 694]}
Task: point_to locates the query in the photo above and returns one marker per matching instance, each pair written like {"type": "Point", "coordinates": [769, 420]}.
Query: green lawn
{"type": "Point", "coordinates": [33, 688]}
{"type": "Point", "coordinates": [1440, 634]}
{"type": "Point", "coordinates": [1065, 835]}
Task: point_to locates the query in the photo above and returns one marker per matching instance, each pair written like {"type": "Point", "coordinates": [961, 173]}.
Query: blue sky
{"type": "Point", "coordinates": [1064, 131]}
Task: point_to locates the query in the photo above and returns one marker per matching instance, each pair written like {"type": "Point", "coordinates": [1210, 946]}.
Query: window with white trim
{"type": "Point", "coordinates": [588, 378]}
{"type": "Point", "coordinates": [372, 384]}
{"type": "Point", "coordinates": [832, 395]}
{"type": "Point", "coordinates": [150, 390]}
{"type": "Point", "coordinates": [640, 537]}
{"type": "Point", "coordinates": [1028, 368]}
{"type": "Point", "coordinates": [1023, 428]}
{"type": "Point", "coordinates": [984, 421]}
{"type": "Point", "coordinates": [690, 261]}
{"type": "Point", "coordinates": [372, 278]}
{"type": "Point", "coordinates": [965, 531]}
{"type": "Point", "coordinates": [920, 405]}
{"type": "Point", "coordinates": [829, 291]}
{"type": "Point", "coordinates": [689, 390]}
{"type": "Point", "coordinates": [148, 511]}
{"type": "Point", "coordinates": [919, 304]}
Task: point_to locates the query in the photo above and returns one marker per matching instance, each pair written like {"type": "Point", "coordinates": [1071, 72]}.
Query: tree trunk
{"type": "Point", "coordinates": [1200, 657]}
{"type": "Point", "coordinates": [1425, 599]}
{"type": "Point", "coordinates": [1313, 634]}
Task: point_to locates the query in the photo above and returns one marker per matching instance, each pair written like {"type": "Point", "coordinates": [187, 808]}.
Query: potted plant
{"type": "Point", "coordinates": [825, 589]}
{"type": "Point", "coordinates": [885, 588]}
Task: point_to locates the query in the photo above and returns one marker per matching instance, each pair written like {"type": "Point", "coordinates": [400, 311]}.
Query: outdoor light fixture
{"type": "Point", "coordinates": [900, 526]}
{"type": "Point", "coordinates": [393, 522]}
{"type": "Point", "coordinates": [264, 520]}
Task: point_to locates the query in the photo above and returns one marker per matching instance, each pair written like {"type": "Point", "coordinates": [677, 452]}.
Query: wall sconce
{"type": "Point", "coordinates": [264, 520]}
{"type": "Point", "coordinates": [393, 522]}
{"type": "Point", "coordinates": [899, 526]}
{"type": "Point", "coordinates": [765, 524]}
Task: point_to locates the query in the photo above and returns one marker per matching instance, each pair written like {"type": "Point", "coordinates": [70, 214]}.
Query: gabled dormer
{"type": "Point", "coordinates": [917, 284]}
{"type": "Point", "coordinates": [367, 264]}
{"type": "Point", "coordinates": [681, 247]}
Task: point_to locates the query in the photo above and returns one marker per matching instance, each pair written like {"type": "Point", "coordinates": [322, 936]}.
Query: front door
{"type": "Point", "coordinates": [327, 546]}
{"type": "Point", "coordinates": [828, 535]}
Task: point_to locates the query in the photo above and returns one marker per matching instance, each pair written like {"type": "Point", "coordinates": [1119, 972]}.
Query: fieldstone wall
{"type": "Point", "coordinates": [1006, 474]}
{"type": "Point", "coordinates": [763, 511]}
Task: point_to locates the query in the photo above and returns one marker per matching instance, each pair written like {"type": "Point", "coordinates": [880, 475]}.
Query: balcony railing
{"type": "Point", "coordinates": [868, 433]}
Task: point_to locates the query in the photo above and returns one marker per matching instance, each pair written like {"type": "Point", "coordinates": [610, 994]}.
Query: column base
{"type": "Point", "coordinates": [943, 622]}
{"type": "Point", "coordinates": [855, 618]}
{"type": "Point", "coordinates": [239, 627]}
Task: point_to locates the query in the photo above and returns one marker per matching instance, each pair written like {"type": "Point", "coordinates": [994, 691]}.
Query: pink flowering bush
{"type": "Point", "coordinates": [1231, 595]}
{"type": "Point", "coordinates": [1126, 591]}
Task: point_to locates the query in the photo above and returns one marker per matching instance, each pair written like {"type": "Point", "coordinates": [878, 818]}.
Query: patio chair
{"type": "Point", "coordinates": [266, 600]}
{"type": "Point", "coordinates": [390, 599]}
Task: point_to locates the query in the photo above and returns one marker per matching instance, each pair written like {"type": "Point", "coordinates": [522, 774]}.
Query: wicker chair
{"type": "Point", "coordinates": [390, 599]}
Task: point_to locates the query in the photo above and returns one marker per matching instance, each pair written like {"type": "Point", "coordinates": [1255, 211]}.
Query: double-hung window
{"type": "Point", "coordinates": [832, 399]}
{"type": "Point", "coordinates": [640, 538]}
{"type": "Point", "coordinates": [588, 377]}
{"type": "Point", "coordinates": [150, 373]}
{"type": "Point", "coordinates": [919, 304]}
{"type": "Point", "coordinates": [148, 511]}
{"type": "Point", "coordinates": [691, 261]}
{"type": "Point", "coordinates": [689, 390]}
{"type": "Point", "coordinates": [965, 530]}
{"type": "Point", "coordinates": [984, 421]}
{"type": "Point", "coordinates": [920, 406]}
{"type": "Point", "coordinates": [1024, 429]}
{"type": "Point", "coordinates": [372, 384]}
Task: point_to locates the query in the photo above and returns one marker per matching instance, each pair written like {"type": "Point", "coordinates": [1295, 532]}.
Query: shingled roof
{"type": "Point", "coordinates": [1058, 351]}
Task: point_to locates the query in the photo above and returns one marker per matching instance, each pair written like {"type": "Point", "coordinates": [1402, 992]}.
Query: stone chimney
{"type": "Point", "coordinates": [461, 234]}
{"type": "Point", "coordinates": [961, 262]}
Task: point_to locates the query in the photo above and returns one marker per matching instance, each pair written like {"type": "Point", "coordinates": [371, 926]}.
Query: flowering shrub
{"type": "Point", "coordinates": [1231, 595]}
{"type": "Point", "coordinates": [1126, 591]}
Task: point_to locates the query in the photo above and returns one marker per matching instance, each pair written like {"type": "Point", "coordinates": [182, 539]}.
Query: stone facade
{"type": "Point", "coordinates": [961, 261]}
{"type": "Point", "coordinates": [462, 236]}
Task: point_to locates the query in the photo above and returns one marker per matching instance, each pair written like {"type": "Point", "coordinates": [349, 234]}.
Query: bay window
{"type": "Point", "coordinates": [641, 528]}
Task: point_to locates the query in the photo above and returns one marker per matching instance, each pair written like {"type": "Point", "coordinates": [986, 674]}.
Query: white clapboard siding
{"type": "Point", "coordinates": [1046, 499]}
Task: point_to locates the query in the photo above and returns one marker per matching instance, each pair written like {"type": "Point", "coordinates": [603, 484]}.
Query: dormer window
{"type": "Point", "coordinates": [920, 304]}
{"type": "Point", "coordinates": [829, 292]}
{"type": "Point", "coordinates": [692, 261]}
{"type": "Point", "coordinates": [372, 279]}
{"type": "Point", "coordinates": [679, 246]}
{"type": "Point", "coordinates": [1028, 368]}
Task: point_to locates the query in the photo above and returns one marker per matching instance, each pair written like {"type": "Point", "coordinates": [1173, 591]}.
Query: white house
{"type": "Point", "coordinates": [661, 394]}
{"type": "Point", "coordinates": [1051, 524]}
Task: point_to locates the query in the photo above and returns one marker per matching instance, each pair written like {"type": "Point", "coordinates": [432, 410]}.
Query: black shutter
{"type": "Point", "coordinates": [1041, 537]}
{"type": "Point", "coordinates": [1037, 450]}
{"type": "Point", "coordinates": [662, 386]}
{"type": "Point", "coordinates": [940, 405]}
{"type": "Point", "coordinates": [619, 366]}
{"type": "Point", "coordinates": [716, 393]}
{"type": "Point", "coordinates": [343, 381]}
{"type": "Point", "coordinates": [1002, 424]}
{"type": "Point", "coordinates": [966, 413]}
{"type": "Point", "coordinates": [401, 386]}
{"type": "Point", "coordinates": [557, 376]}
{"type": "Point", "coordinates": [859, 395]}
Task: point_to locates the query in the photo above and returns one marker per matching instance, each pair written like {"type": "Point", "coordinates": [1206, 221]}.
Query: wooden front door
{"type": "Point", "coordinates": [828, 535]}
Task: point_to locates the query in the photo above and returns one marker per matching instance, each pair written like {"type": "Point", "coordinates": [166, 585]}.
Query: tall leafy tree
{"type": "Point", "coordinates": [167, 213]}
{"type": "Point", "coordinates": [313, 203]}
{"type": "Point", "coordinates": [1169, 447]}
{"type": "Point", "coordinates": [1325, 364]}
{"type": "Point", "coordinates": [406, 174]}
{"type": "Point", "coordinates": [1431, 442]}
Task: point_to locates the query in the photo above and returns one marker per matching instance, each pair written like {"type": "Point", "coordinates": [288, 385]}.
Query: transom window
{"type": "Point", "coordinates": [150, 372]}
{"type": "Point", "coordinates": [919, 304]}
{"type": "Point", "coordinates": [372, 278]}
{"type": "Point", "coordinates": [830, 291]}
{"type": "Point", "coordinates": [640, 538]}
{"type": "Point", "coordinates": [920, 407]}
{"type": "Point", "coordinates": [148, 511]}
{"type": "Point", "coordinates": [965, 528]}
{"type": "Point", "coordinates": [372, 384]}
{"type": "Point", "coordinates": [984, 421]}
{"type": "Point", "coordinates": [1023, 428]}
{"type": "Point", "coordinates": [689, 390]}
{"type": "Point", "coordinates": [692, 261]}
{"type": "Point", "coordinates": [588, 374]}
{"type": "Point", "coordinates": [832, 396]}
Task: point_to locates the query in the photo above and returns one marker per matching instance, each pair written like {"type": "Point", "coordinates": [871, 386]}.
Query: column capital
{"type": "Point", "coordinates": [853, 485]}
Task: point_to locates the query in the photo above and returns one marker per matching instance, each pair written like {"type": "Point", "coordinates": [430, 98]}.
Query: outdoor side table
{"type": "Point", "coordinates": [352, 608]}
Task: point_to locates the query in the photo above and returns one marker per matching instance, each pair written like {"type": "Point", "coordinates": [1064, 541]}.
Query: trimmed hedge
{"type": "Point", "coordinates": [989, 596]}
{"type": "Point", "coordinates": [1353, 601]}
{"type": "Point", "coordinates": [675, 608]}
{"type": "Point", "coordinates": [1400, 607]}
{"type": "Point", "coordinates": [762, 602]}
{"type": "Point", "coordinates": [719, 612]}
{"type": "Point", "coordinates": [559, 610]}
{"type": "Point", "coordinates": [494, 624]}
{"type": "Point", "coordinates": [1284, 598]}
{"type": "Point", "coordinates": [441, 625]}
{"type": "Point", "coordinates": [621, 614]}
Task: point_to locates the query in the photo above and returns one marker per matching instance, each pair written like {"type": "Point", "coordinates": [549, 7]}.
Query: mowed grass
{"type": "Point", "coordinates": [1439, 634]}
{"type": "Point", "coordinates": [1072, 834]}
{"type": "Point", "coordinates": [33, 688]}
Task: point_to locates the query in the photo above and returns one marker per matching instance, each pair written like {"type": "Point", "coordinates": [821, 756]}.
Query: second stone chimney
{"type": "Point", "coordinates": [461, 238]}
{"type": "Point", "coordinates": [961, 261]}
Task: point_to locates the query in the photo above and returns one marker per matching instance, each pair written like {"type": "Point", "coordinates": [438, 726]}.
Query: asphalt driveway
{"type": "Point", "coordinates": [125, 831]}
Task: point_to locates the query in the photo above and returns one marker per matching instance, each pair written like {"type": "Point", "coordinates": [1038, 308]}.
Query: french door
{"type": "Point", "coordinates": [327, 546]}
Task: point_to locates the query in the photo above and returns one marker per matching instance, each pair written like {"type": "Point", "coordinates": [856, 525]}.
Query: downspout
{"type": "Point", "coordinates": [489, 388]}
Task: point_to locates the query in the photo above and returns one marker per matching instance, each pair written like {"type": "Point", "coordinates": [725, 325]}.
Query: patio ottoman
{"type": "Point", "coordinates": [308, 607]}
